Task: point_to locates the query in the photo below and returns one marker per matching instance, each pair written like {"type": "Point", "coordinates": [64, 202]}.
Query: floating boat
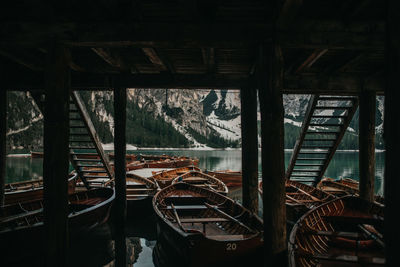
{"type": "Point", "coordinates": [199, 227]}
{"type": "Point", "coordinates": [230, 178]}
{"type": "Point", "coordinates": [135, 165]}
{"type": "Point", "coordinates": [200, 179]}
{"type": "Point", "coordinates": [343, 186]}
{"type": "Point", "coordinates": [139, 194]}
{"type": "Point", "coordinates": [21, 224]}
{"type": "Point", "coordinates": [164, 178]}
{"type": "Point", "coordinates": [31, 190]}
{"type": "Point", "coordinates": [300, 198]}
{"type": "Point", "coordinates": [345, 231]}
{"type": "Point", "coordinates": [36, 154]}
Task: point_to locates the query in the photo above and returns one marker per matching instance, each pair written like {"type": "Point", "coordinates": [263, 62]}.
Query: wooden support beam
{"type": "Point", "coordinates": [391, 134]}
{"type": "Point", "coordinates": [3, 131]}
{"type": "Point", "coordinates": [154, 58]}
{"type": "Point", "coordinates": [120, 174]}
{"type": "Point", "coordinates": [288, 13]}
{"type": "Point", "coordinates": [208, 55]}
{"type": "Point", "coordinates": [56, 155]}
{"type": "Point", "coordinates": [352, 61]}
{"type": "Point", "coordinates": [20, 60]}
{"type": "Point", "coordinates": [344, 84]}
{"type": "Point", "coordinates": [311, 60]}
{"type": "Point", "coordinates": [111, 58]}
{"type": "Point", "coordinates": [248, 97]}
{"type": "Point", "coordinates": [367, 104]}
{"type": "Point", "coordinates": [273, 164]}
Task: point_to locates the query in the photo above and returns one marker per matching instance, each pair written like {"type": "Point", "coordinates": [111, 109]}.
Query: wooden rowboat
{"type": "Point", "coordinates": [135, 165]}
{"type": "Point", "coordinates": [21, 224]}
{"type": "Point", "coordinates": [300, 198]}
{"type": "Point", "coordinates": [345, 231]}
{"type": "Point", "coordinates": [164, 178]}
{"type": "Point", "coordinates": [139, 194]}
{"type": "Point", "coordinates": [129, 157]}
{"type": "Point", "coordinates": [203, 180]}
{"type": "Point", "coordinates": [36, 154]}
{"type": "Point", "coordinates": [230, 178]}
{"type": "Point", "coordinates": [198, 227]}
{"type": "Point", "coordinates": [343, 186]}
{"type": "Point", "coordinates": [31, 190]}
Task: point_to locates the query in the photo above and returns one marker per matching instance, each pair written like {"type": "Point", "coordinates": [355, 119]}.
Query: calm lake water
{"type": "Point", "coordinates": [343, 165]}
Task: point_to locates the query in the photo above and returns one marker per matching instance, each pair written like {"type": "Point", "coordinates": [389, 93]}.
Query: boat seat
{"type": "Point", "coordinates": [21, 215]}
{"type": "Point", "coordinates": [348, 258]}
{"type": "Point", "coordinates": [353, 235]}
{"type": "Point", "coordinates": [203, 220]}
{"type": "Point", "coordinates": [226, 237]}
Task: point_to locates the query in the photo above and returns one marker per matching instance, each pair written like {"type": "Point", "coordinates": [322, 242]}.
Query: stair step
{"type": "Point", "coordinates": [313, 152]}
{"type": "Point", "coordinates": [77, 126]}
{"type": "Point", "coordinates": [308, 164]}
{"type": "Point", "coordinates": [91, 166]}
{"type": "Point", "coordinates": [81, 141]}
{"type": "Point", "coordinates": [328, 117]}
{"type": "Point", "coordinates": [80, 134]}
{"type": "Point", "coordinates": [303, 180]}
{"type": "Point", "coordinates": [325, 124]}
{"type": "Point", "coordinates": [311, 159]}
{"type": "Point", "coordinates": [305, 170]}
{"type": "Point", "coordinates": [328, 133]}
{"type": "Point", "coordinates": [332, 107]}
{"type": "Point", "coordinates": [85, 154]}
{"type": "Point", "coordinates": [82, 147]}
{"type": "Point", "coordinates": [87, 160]}
{"type": "Point", "coordinates": [303, 175]}
{"type": "Point", "coordinates": [96, 176]}
{"type": "Point", "coordinates": [98, 171]}
{"type": "Point", "coordinates": [75, 119]}
{"type": "Point", "coordinates": [336, 98]}
{"type": "Point", "coordinates": [317, 140]}
{"type": "Point", "coordinates": [315, 147]}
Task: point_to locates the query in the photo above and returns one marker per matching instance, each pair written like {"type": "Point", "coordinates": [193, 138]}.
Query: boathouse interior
{"type": "Point", "coordinates": [332, 47]}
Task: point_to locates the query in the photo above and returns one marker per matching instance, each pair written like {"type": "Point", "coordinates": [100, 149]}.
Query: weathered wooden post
{"type": "Point", "coordinates": [120, 175]}
{"type": "Point", "coordinates": [272, 148]}
{"type": "Point", "coordinates": [56, 153]}
{"type": "Point", "coordinates": [3, 130]}
{"type": "Point", "coordinates": [391, 134]}
{"type": "Point", "coordinates": [367, 145]}
{"type": "Point", "coordinates": [248, 97]}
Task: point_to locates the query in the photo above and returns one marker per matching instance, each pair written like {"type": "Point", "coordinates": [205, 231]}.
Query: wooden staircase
{"type": "Point", "coordinates": [325, 123]}
{"type": "Point", "coordinates": [86, 153]}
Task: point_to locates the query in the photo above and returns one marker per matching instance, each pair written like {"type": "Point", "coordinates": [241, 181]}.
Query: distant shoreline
{"type": "Point", "coordinates": [108, 148]}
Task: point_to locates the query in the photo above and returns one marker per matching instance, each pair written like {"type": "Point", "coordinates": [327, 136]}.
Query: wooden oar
{"type": "Point", "coordinates": [177, 218]}
{"type": "Point", "coordinates": [229, 217]}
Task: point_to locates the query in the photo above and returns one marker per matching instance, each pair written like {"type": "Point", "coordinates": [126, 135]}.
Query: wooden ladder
{"type": "Point", "coordinates": [86, 153]}
{"type": "Point", "coordinates": [325, 123]}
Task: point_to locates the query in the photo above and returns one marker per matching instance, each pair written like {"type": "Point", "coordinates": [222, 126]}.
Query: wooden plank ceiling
{"type": "Point", "coordinates": [331, 46]}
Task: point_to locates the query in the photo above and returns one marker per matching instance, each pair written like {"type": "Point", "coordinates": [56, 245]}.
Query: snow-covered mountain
{"type": "Point", "coordinates": [202, 117]}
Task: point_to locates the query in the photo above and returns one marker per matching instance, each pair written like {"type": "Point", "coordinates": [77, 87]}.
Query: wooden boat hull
{"type": "Point", "coordinates": [27, 240]}
{"type": "Point", "coordinates": [232, 179]}
{"type": "Point", "coordinates": [165, 178]}
{"type": "Point", "coordinates": [31, 191]}
{"type": "Point", "coordinates": [195, 248]}
{"type": "Point", "coordinates": [203, 180]}
{"type": "Point", "coordinates": [139, 195]}
{"type": "Point", "coordinates": [334, 234]}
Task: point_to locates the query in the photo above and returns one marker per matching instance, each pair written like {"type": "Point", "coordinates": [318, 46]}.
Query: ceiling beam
{"type": "Point", "coordinates": [288, 13]}
{"type": "Point", "coordinates": [353, 61]}
{"type": "Point", "coordinates": [208, 55]}
{"type": "Point", "coordinates": [154, 58]}
{"type": "Point", "coordinates": [331, 84]}
{"type": "Point", "coordinates": [316, 54]}
{"type": "Point", "coordinates": [110, 57]}
{"type": "Point", "coordinates": [21, 60]}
